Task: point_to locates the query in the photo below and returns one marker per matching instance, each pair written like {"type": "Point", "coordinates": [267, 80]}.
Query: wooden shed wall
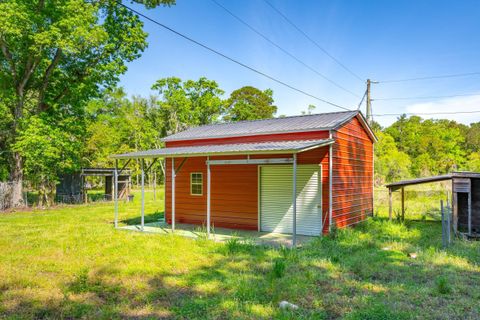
{"type": "Point", "coordinates": [352, 176]}
{"type": "Point", "coordinates": [234, 188]}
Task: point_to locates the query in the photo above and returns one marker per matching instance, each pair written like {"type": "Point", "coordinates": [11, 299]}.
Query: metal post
{"type": "Point", "coordinates": [143, 194]}
{"type": "Point", "coordinates": [173, 194]}
{"type": "Point", "coordinates": [115, 193]}
{"type": "Point", "coordinates": [208, 196]}
{"type": "Point", "coordinates": [164, 171]}
{"type": "Point", "coordinates": [390, 204]}
{"type": "Point", "coordinates": [294, 195]}
{"type": "Point", "coordinates": [330, 185]}
{"type": "Point", "coordinates": [154, 185]}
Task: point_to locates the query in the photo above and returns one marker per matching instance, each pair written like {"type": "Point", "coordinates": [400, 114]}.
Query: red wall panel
{"type": "Point", "coordinates": [352, 178]}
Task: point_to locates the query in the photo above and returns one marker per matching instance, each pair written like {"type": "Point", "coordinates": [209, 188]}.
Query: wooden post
{"type": "Point", "coordinates": [470, 212]}
{"type": "Point", "coordinates": [390, 204]}
{"type": "Point", "coordinates": [444, 242]}
{"type": "Point", "coordinates": [454, 209]}
{"type": "Point", "coordinates": [403, 203]}
{"type": "Point", "coordinates": [449, 214]}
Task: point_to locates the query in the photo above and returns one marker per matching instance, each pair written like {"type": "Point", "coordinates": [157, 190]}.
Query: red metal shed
{"type": "Point", "coordinates": [288, 175]}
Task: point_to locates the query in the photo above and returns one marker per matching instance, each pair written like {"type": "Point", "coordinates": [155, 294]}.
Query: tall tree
{"type": "Point", "coordinates": [249, 103]}
{"type": "Point", "coordinates": [190, 103]}
{"type": "Point", "coordinates": [434, 146]}
{"type": "Point", "coordinates": [390, 164]}
{"type": "Point", "coordinates": [55, 55]}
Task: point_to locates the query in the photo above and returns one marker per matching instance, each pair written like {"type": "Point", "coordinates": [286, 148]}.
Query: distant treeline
{"type": "Point", "coordinates": [414, 147]}
{"type": "Point", "coordinates": [114, 123]}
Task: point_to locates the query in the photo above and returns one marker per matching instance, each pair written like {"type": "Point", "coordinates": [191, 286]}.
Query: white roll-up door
{"type": "Point", "coordinates": [276, 209]}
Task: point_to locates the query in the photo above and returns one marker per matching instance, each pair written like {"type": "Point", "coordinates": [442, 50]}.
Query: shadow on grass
{"type": "Point", "coordinates": [351, 276]}
{"type": "Point", "coordinates": [153, 217]}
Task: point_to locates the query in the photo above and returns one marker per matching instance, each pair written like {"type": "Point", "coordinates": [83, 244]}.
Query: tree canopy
{"type": "Point", "coordinates": [55, 56]}
{"type": "Point", "coordinates": [249, 103]}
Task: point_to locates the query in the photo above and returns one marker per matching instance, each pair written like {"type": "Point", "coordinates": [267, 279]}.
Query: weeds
{"type": "Point", "coordinates": [442, 285]}
{"type": "Point", "coordinates": [333, 234]}
{"type": "Point", "coordinates": [278, 268]}
{"type": "Point", "coordinates": [233, 244]}
{"type": "Point", "coordinates": [104, 273]}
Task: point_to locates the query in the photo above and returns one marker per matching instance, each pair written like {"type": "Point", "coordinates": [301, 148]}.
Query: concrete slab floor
{"type": "Point", "coordinates": [221, 234]}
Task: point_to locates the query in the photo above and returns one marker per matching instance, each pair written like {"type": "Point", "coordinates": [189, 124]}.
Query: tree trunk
{"type": "Point", "coordinates": [16, 178]}
{"type": "Point", "coordinates": [16, 173]}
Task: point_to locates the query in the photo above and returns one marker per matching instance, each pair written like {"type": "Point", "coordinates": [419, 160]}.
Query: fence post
{"type": "Point", "coordinates": [443, 225]}
{"type": "Point", "coordinates": [449, 216]}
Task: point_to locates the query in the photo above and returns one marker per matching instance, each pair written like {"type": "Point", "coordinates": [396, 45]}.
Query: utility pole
{"type": "Point", "coordinates": [369, 103]}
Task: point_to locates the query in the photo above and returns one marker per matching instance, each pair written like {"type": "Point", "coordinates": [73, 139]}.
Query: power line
{"type": "Point", "coordinates": [425, 113]}
{"type": "Point", "coordinates": [232, 59]}
{"type": "Point", "coordinates": [313, 41]}
{"type": "Point", "coordinates": [291, 55]}
{"type": "Point", "coordinates": [428, 97]}
{"type": "Point", "coordinates": [361, 101]}
{"type": "Point", "coordinates": [457, 75]}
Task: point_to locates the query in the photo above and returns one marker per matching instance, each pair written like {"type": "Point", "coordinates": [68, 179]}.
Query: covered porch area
{"type": "Point", "coordinates": [220, 234]}
{"type": "Point", "coordinates": [279, 154]}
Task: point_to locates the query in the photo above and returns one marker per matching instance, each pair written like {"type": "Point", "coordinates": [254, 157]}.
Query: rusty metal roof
{"type": "Point", "coordinates": [323, 121]}
{"type": "Point", "coordinates": [275, 147]}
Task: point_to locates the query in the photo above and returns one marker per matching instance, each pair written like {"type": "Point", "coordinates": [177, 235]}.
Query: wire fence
{"type": "Point", "coordinates": [419, 204]}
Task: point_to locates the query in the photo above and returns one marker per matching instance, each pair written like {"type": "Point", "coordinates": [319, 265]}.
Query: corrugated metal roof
{"type": "Point", "coordinates": [457, 174]}
{"type": "Point", "coordinates": [323, 121]}
{"type": "Point", "coordinates": [223, 149]}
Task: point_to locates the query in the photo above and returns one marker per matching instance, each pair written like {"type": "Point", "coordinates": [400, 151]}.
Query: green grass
{"type": "Point", "coordinates": [422, 202]}
{"type": "Point", "coordinates": [69, 262]}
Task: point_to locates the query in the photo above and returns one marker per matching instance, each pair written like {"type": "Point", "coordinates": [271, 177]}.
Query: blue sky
{"type": "Point", "coordinates": [380, 40]}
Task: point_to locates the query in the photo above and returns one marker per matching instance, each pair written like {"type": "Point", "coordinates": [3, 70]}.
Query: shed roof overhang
{"type": "Point", "coordinates": [273, 147]}
{"type": "Point", "coordinates": [458, 174]}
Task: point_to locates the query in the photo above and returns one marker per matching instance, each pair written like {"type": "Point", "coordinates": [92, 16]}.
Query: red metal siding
{"type": "Point", "coordinates": [352, 178]}
{"type": "Point", "coordinates": [257, 138]}
{"type": "Point", "coordinates": [234, 188]}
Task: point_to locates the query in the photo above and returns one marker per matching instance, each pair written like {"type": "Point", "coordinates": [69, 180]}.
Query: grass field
{"type": "Point", "coordinates": [69, 262]}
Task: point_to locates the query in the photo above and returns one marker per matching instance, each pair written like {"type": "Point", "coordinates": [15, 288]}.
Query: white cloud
{"type": "Point", "coordinates": [457, 104]}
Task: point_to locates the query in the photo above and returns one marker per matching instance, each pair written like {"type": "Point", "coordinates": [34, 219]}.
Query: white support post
{"type": "Point", "coordinates": [173, 194]}
{"type": "Point", "coordinates": [294, 200]}
{"type": "Point", "coordinates": [330, 185]}
{"type": "Point", "coordinates": [208, 196]}
{"type": "Point", "coordinates": [115, 193]}
{"type": "Point", "coordinates": [143, 195]}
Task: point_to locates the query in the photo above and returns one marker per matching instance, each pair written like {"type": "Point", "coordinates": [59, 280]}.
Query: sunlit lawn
{"type": "Point", "coordinates": [70, 262]}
